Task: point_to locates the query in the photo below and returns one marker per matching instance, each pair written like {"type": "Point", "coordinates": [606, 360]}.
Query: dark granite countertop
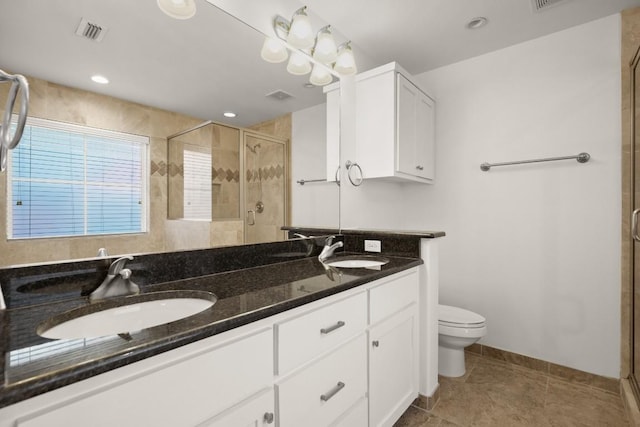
{"type": "Point", "coordinates": [34, 365]}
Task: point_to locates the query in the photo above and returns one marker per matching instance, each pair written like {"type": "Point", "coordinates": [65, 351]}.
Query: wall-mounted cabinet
{"type": "Point", "coordinates": [394, 127]}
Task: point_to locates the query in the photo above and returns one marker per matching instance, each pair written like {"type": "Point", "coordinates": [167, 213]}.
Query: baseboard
{"type": "Point", "coordinates": [629, 401]}
{"type": "Point", "coordinates": [611, 385]}
{"type": "Point", "coordinates": [427, 402]}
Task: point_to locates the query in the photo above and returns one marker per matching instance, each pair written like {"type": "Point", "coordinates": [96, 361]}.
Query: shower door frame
{"type": "Point", "coordinates": [634, 376]}
{"type": "Point", "coordinates": [243, 188]}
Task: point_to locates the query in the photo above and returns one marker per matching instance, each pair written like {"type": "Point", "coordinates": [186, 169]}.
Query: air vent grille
{"type": "Point", "coordinates": [541, 5]}
{"type": "Point", "coordinates": [280, 95]}
{"type": "Point", "coordinates": [91, 30]}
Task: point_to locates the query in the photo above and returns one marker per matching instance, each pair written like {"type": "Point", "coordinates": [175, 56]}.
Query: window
{"type": "Point", "coordinates": [70, 180]}
{"type": "Point", "coordinates": [197, 185]}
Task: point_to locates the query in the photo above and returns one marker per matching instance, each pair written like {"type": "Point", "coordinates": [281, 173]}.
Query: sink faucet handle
{"type": "Point", "coordinates": [329, 240]}
{"type": "Point", "coordinates": [125, 273]}
{"type": "Point", "coordinates": [118, 265]}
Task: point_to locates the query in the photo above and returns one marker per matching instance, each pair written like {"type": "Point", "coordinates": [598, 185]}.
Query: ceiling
{"type": "Point", "coordinates": [211, 63]}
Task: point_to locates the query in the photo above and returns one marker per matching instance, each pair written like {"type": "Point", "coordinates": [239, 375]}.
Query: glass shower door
{"type": "Point", "coordinates": [265, 194]}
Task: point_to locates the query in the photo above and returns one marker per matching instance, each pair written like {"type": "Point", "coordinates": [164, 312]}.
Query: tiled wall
{"type": "Point", "coordinates": [55, 102]}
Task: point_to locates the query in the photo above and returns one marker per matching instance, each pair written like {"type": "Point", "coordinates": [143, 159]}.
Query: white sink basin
{"type": "Point", "coordinates": [138, 312]}
{"type": "Point", "coordinates": [363, 262]}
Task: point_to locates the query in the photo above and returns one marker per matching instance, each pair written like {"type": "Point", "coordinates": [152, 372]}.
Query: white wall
{"type": "Point", "coordinates": [313, 204]}
{"type": "Point", "coordinates": [533, 248]}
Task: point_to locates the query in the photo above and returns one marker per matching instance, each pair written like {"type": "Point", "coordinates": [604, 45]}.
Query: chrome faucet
{"type": "Point", "coordinates": [328, 249]}
{"type": "Point", "coordinates": [117, 283]}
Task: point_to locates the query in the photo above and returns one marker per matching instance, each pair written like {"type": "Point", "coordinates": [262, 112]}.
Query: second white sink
{"type": "Point", "coordinates": [136, 314]}
{"type": "Point", "coordinates": [357, 262]}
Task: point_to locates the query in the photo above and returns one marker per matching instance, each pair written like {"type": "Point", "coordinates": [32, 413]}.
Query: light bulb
{"type": "Point", "coordinates": [273, 51]}
{"type": "Point", "coordinates": [298, 65]}
{"type": "Point", "coordinates": [345, 63]}
{"type": "Point", "coordinates": [178, 9]}
{"type": "Point", "coordinates": [320, 76]}
{"type": "Point", "coordinates": [300, 32]}
{"type": "Point", "coordinates": [325, 49]}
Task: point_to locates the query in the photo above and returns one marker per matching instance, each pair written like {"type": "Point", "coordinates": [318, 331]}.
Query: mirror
{"type": "Point", "coordinates": [167, 76]}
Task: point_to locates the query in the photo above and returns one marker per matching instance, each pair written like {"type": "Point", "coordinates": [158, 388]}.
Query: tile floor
{"type": "Point", "coordinates": [496, 393]}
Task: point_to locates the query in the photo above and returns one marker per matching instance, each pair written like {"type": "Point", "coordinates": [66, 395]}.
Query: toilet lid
{"type": "Point", "coordinates": [456, 316]}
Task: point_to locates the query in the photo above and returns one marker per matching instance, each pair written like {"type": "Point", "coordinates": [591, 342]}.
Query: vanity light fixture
{"type": "Point", "coordinates": [300, 34]}
{"type": "Point", "coordinates": [297, 36]}
{"type": "Point", "coordinates": [100, 79]}
{"type": "Point", "coordinates": [320, 76]}
{"type": "Point", "coordinates": [325, 49]}
{"type": "Point", "coordinates": [229, 114]}
{"type": "Point", "coordinates": [345, 63]}
{"type": "Point", "coordinates": [298, 64]}
{"type": "Point", "coordinates": [178, 9]}
{"type": "Point", "coordinates": [274, 51]}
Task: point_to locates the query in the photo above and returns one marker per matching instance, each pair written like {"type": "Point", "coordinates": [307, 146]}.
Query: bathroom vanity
{"type": "Point", "coordinates": [289, 342]}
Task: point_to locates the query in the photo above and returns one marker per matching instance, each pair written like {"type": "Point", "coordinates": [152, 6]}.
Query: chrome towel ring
{"type": "Point", "coordinates": [19, 85]}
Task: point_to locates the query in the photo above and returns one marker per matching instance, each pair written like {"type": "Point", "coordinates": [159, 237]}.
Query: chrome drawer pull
{"type": "Point", "coordinates": [376, 343]}
{"type": "Point", "coordinates": [333, 392]}
{"type": "Point", "coordinates": [330, 329]}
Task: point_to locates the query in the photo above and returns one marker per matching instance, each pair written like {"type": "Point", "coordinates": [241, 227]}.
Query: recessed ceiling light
{"type": "Point", "coordinates": [100, 79]}
{"type": "Point", "coordinates": [229, 114]}
{"type": "Point", "coordinates": [476, 23]}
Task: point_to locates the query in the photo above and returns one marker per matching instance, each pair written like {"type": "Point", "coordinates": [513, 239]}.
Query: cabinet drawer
{"type": "Point", "coordinates": [181, 394]}
{"type": "Point", "coordinates": [305, 337]}
{"type": "Point", "coordinates": [319, 394]}
{"type": "Point", "coordinates": [392, 296]}
{"type": "Point", "coordinates": [357, 416]}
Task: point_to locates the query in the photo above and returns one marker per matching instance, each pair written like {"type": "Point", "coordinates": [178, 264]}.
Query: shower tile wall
{"type": "Point", "coordinates": [226, 172]}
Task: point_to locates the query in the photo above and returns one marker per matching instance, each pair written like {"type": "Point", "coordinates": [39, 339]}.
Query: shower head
{"type": "Point", "coordinates": [254, 148]}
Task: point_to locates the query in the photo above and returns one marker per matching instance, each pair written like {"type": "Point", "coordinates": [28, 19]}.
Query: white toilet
{"type": "Point", "coordinates": [457, 328]}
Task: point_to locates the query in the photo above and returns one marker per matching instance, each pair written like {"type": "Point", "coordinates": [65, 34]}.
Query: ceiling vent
{"type": "Point", "coordinates": [91, 30]}
{"type": "Point", "coordinates": [280, 95]}
{"type": "Point", "coordinates": [542, 5]}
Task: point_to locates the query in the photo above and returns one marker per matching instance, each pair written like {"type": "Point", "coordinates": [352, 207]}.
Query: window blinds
{"type": "Point", "coordinates": [69, 180]}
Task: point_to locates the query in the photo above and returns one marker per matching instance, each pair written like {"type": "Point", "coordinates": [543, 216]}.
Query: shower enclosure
{"type": "Point", "coordinates": [265, 195]}
{"type": "Point", "coordinates": [226, 186]}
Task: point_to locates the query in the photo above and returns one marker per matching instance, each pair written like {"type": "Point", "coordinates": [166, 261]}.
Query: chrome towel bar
{"type": "Point", "coordinates": [304, 181]}
{"type": "Point", "coordinates": [581, 158]}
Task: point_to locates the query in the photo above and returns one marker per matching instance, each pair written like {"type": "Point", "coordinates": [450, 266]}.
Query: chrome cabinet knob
{"type": "Point", "coordinates": [268, 417]}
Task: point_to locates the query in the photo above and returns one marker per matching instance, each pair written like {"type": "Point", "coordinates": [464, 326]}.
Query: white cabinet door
{"type": "Point", "coordinates": [395, 137]}
{"type": "Point", "coordinates": [415, 137]}
{"type": "Point", "coordinates": [375, 125]}
{"type": "Point", "coordinates": [333, 134]}
{"type": "Point", "coordinates": [180, 394]}
{"type": "Point", "coordinates": [257, 411]}
{"type": "Point", "coordinates": [393, 367]}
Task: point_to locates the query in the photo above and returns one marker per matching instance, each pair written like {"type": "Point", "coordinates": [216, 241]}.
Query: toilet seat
{"type": "Point", "coordinates": [456, 317]}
